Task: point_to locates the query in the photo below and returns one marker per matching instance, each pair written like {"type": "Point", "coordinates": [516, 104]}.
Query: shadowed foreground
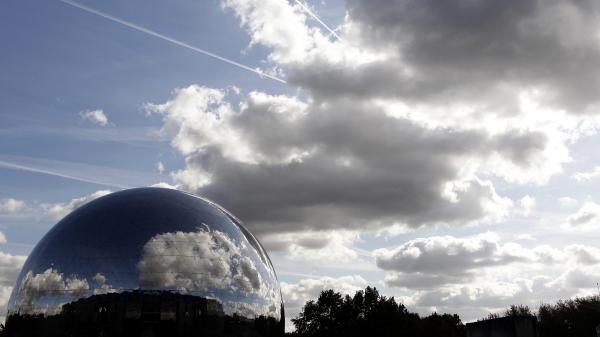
{"type": "Point", "coordinates": [142, 314]}
{"type": "Point", "coordinates": [368, 313]}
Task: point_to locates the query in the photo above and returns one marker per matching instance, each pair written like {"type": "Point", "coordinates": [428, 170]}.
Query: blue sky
{"type": "Point", "coordinates": [71, 61]}
{"type": "Point", "coordinates": [500, 148]}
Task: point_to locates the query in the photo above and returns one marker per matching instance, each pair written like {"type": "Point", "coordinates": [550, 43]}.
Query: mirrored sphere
{"type": "Point", "coordinates": [147, 262]}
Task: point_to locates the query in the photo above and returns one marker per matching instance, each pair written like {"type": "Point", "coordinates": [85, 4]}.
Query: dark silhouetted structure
{"type": "Point", "coordinates": [577, 317]}
{"type": "Point", "coordinates": [510, 326]}
{"type": "Point", "coordinates": [142, 314]}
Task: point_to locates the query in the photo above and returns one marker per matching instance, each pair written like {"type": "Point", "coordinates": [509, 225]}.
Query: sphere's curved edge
{"type": "Point", "coordinates": [147, 260]}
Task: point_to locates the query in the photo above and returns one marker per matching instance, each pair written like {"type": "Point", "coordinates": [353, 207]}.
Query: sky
{"type": "Point", "coordinates": [444, 152]}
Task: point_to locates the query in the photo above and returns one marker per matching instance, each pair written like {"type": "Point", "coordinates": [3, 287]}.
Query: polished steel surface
{"type": "Point", "coordinates": [150, 258]}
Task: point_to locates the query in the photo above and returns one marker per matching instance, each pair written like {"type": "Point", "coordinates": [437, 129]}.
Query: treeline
{"type": "Point", "coordinates": [368, 313]}
{"type": "Point", "coordinates": [579, 317]}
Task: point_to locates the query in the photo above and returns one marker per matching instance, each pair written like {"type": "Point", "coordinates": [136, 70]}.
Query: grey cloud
{"type": "Point", "coordinates": [434, 261]}
{"type": "Point", "coordinates": [336, 158]}
{"type": "Point", "coordinates": [586, 217]}
{"type": "Point", "coordinates": [583, 254]}
{"type": "Point", "coordinates": [473, 46]}
{"type": "Point", "coordinates": [580, 278]}
{"type": "Point", "coordinates": [427, 263]}
{"type": "Point", "coordinates": [341, 165]}
{"type": "Point", "coordinates": [423, 281]}
{"type": "Point", "coordinates": [476, 300]}
{"type": "Point", "coordinates": [314, 242]}
{"type": "Point", "coordinates": [520, 147]}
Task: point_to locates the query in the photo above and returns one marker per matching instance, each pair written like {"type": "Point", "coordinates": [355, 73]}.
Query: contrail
{"type": "Point", "coordinates": [169, 39]}
{"type": "Point", "coordinates": [19, 167]}
{"type": "Point", "coordinates": [314, 16]}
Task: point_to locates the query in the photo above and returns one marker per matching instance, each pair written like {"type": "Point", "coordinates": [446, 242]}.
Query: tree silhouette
{"type": "Point", "coordinates": [368, 313]}
{"type": "Point", "coordinates": [518, 311]}
{"type": "Point", "coordinates": [578, 317]}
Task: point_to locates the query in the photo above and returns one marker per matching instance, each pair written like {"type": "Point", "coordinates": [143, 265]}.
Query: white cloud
{"type": "Point", "coordinates": [525, 237]}
{"type": "Point", "coordinates": [102, 287]}
{"type": "Point", "coordinates": [160, 167]}
{"type": "Point", "coordinates": [11, 205]}
{"type": "Point", "coordinates": [60, 210]}
{"type": "Point", "coordinates": [587, 176]}
{"type": "Point", "coordinates": [199, 261]}
{"type": "Point", "coordinates": [4, 296]}
{"type": "Point", "coordinates": [431, 262]}
{"type": "Point", "coordinates": [164, 185]}
{"type": "Point", "coordinates": [479, 274]}
{"type": "Point", "coordinates": [434, 261]}
{"type": "Point", "coordinates": [10, 265]}
{"type": "Point", "coordinates": [567, 202]}
{"type": "Point", "coordinates": [289, 42]}
{"type": "Point", "coordinates": [297, 294]}
{"type": "Point", "coordinates": [5, 292]}
{"type": "Point", "coordinates": [97, 117]}
{"type": "Point", "coordinates": [528, 204]}
{"type": "Point", "coordinates": [50, 282]}
{"type": "Point", "coordinates": [474, 300]}
{"type": "Point", "coordinates": [588, 216]}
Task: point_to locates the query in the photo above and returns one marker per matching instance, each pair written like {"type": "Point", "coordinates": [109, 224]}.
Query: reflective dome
{"type": "Point", "coordinates": [147, 262]}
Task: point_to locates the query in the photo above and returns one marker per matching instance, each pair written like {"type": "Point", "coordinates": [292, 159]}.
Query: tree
{"type": "Point", "coordinates": [442, 325]}
{"type": "Point", "coordinates": [577, 317]}
{"type": "Point", "coordinates": [321, 318]}
{"type": "Point", "coordinates": [518, 311]}
{"type": "Point", "coordinates": [368, 313]}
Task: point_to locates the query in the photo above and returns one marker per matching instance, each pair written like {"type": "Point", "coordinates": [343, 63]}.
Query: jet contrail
{"type": "Point", "coordinates": [169, 39]}
{"type": "Point", "coordinates": [314, 16]}
{"type": "Point", "coordinates": [19, 167]}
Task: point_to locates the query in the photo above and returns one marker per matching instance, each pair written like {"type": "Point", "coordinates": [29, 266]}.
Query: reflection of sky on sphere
{"type": "Point", "coordinates": [153, 240]}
